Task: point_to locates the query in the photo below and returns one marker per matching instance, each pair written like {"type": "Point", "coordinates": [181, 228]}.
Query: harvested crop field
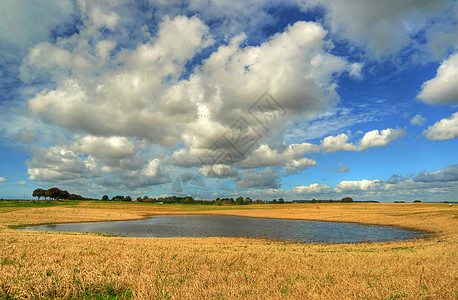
{"type": "Point", "coordinates": [76, 265]}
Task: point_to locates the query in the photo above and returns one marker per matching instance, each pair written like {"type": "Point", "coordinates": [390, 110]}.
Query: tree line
{"type": "Point", "coordinates": [56, 194]}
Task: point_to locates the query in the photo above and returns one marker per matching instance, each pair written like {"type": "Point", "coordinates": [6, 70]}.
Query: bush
{"type": "Point", "coordinates": [347, 199]}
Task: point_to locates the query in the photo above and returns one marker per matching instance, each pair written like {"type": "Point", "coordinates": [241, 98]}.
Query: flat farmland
{"type": "Point", "coordinates": [38, 265]}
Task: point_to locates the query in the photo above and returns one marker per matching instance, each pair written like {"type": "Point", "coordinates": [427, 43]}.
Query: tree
{"type": "Point", "coordinates": [248, 200]}
{"type": "Point", "coordinates": [347, 199]}
{"type": "Point", "coordinates": [128, 199]}
{"type": "Point", "coordinates": [239, 201]}
{"type": "Point", "coordinates": [53, 193]}
{"type": "Point", "coordinates": [281, 200]}
{"type": "Point", "coordinates": [39, 193]}
{"type": "Point", "coordinates": [105, 197]}
{"type": "Point", "coordinates": [75, 197]}
{"type": "Point", "coordinates": [63, 195]}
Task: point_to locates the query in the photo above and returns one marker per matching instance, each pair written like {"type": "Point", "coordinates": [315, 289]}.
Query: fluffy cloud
{"type": "Point", "coordinates": [442, 89]}
{"type": "Point", "coordinates": [382, 28]}
{"type": "Point", "coordinates": [375, 138]}
{"type": "Point", "coordinates": [60, 164]}
{"type": "Point", "coordinates": [154, 169]}
{"type": "Point", "coordinates": [295, 166]}
{"type": "Point", "coordinates": [418, 120]}
{"type": "Point", "coordinates": [313, 188]}
{"type": "Point", "coordinates": [283, 155]}
{"type": "Point", "coordinates": [218, 171]}
{"type": "Point", "coordinates": [265, 179]}
{"type": "Point", "coordinates": [445, 175]}
{"type": "Point", "coordinates": [115, 147]}
{"type": "Point", "coordinates": [445, 129]}
{"type": "Point", "coordinates": [337, 143]}
{"type": "Point", "coordinates": [134, 100]}
{"type": "Point", "coordinates": [21, 182]}
{"type": "Point", "coordinates": [2, 179]}
{"type": "Point", "coordinates": [362, 185]}
{"type": "Point", "coordinates": [143, 96]}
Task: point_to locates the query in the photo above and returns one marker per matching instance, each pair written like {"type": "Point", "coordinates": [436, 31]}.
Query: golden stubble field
{"type": "Point", "coordinates": [77, 265]}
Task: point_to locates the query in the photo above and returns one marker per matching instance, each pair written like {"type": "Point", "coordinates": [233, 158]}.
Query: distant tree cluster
{"type": "Point", "coordinates": [347, 199]}
{"type": "Point", "coordinates": [118, 198]}
{"type": "Point", "coordinates": [56, 194]}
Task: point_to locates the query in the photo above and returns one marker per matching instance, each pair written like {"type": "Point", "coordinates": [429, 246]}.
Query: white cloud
{"type": "Point", "coordinates": [445, 129]}
{"type": "Point", "coordinates": [218, 171]}
{"type": "Point", "coordinates": [153, 169]}
{"type": "Point", "coordinates": [355, 70]}
{"type": "Point", "coordinates": [295, 166]}
{"type": "Point", "coordinates": [265, 179]}
{"type": "Point", "coordinates": [370, 139]}
{"type": "Point", "coordinates": [115, 147]}
{"type": "Point", "coordinates": [442, 89]}
{"type": "Point", "coordinates": [59, 163]}
{"type": "Point", "coordinates": [2, 179]}
{"type": "Point", "coordinates": [362, 185]}
{"type": "Point", "coordinates": [283, 155]}
{"type": "Point", "coordinates": [380, 27]}
{"type": "Point", "coordinates": [375, 138]}
{"type": "Point", "coordinates": [21, 182]}
{"type": "Point", "coordinates": [133, 100]}
{"type": "Point", "coordinates": [337, 143]}
{"type": "Point", "coordinates": [418, 120]}
{"type": "Point", "coordinates": [313, 188]}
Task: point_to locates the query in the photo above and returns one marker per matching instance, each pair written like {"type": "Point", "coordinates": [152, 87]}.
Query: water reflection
{"type": "Point", "coordinates": [232, 226]}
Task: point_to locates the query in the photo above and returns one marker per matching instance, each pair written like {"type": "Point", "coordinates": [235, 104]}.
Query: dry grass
{"type": "Point", "coordinates": [63, 265]}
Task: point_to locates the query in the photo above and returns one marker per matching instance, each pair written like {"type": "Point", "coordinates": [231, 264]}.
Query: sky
{"type": "Point", "coordinates": [300, 99]}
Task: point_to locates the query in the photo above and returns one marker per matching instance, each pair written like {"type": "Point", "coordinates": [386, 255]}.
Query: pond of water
{"type": "Point", "coordinates": [232, 226]}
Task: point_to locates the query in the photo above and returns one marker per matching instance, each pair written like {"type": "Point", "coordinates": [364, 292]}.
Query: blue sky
{"type": "Point", "coordinates": [295, 99]}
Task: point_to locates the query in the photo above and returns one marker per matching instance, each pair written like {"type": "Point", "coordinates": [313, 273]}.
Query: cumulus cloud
{"type": "Point", "coordinates": [442, 89]}
{"type": "Point", "coordinates": [59, 163]}
{"type": "Point", "coordinates": [136, 99]}
{"type": "Point", "coordinates": [381, 138]}
{"type": "Point", "coordinates": [445, 129]}
{"type": "Point", "coordinates": [337, 143]}
{"type": "Point", "coordinates": [140, 93]}
{"type": "Point", "coordinates": [218, 171]}
{"type": "Point", "coordinates": [154, 169]}
{"type": "Point", "coordinates": [313, 188]}
{"type": "Point", "coordinates": [382, 28]}
{"type": "Point", "coordinates": [265, 179]}
{"type": "Point", "coordinates": [418, 120]}
{"type": "Point", "coordinates": [115, 147]}
{"type": "Point", "coordinates": [131, 180]}
{"type": "Point", "coordinates": [2, 179]}
{"type": "Point", "coordinates": [361, 185]}
{"type": "Point", "coordinates": [297, 165]}
{"type": "Point", "coordinates": [450, 173]}
{"type": "Point", "coordinates": [264, 155]}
